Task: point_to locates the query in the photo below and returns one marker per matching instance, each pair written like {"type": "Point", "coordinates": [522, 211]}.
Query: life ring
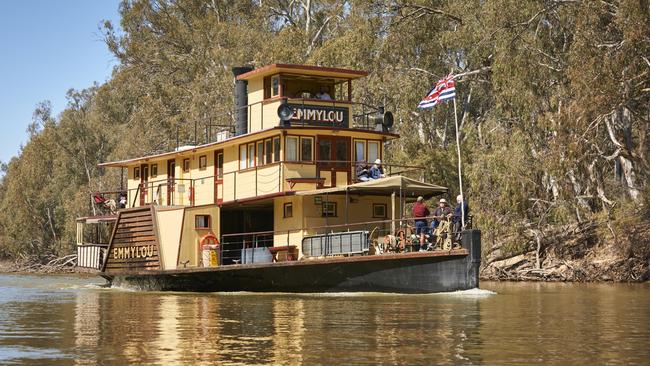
{"type": "Point", "coordinates": [209, 239]}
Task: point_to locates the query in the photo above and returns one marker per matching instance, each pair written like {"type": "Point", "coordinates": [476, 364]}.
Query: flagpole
{"type": "Point", "coordinates": [460, 176]}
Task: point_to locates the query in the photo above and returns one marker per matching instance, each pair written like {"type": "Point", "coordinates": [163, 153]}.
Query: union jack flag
{"type": "Point", "coordinates": [445, 89]}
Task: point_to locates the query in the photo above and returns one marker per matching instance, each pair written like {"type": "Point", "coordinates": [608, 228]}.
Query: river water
{"type": "Point", "coordinates": [68, 320]}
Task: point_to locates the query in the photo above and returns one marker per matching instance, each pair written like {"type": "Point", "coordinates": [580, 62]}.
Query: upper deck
{"type": "Point", "coordinates": [295, 128]}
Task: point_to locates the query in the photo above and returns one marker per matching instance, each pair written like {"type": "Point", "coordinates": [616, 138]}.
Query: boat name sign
{"type": "Point", "coordinates": [320, 115]}
{"type": "Point", "coordinates": [132, 252]}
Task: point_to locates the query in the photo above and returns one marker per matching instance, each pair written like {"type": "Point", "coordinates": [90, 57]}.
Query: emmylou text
{"type": "Point", "coordinates": [318, 115]}
{"type": "Point", "coordinates": [142, 251]}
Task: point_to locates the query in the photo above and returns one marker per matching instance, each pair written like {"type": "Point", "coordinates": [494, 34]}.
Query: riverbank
{"type": "Point", "coordinates": [62, 265]}
{"type": "Point", "coordinates": [587, 252]}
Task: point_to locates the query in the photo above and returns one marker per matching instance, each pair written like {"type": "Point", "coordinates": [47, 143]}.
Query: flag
{"type": "Point", "coordinates": [445, 89]}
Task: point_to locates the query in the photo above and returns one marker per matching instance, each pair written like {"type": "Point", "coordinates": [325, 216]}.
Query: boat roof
{"type": "Point", "coordinates": [410, 188]}
{"type": "Point", "coordinates": [310, 70]}
{"type": "Point", "coordinates": [206, 147]}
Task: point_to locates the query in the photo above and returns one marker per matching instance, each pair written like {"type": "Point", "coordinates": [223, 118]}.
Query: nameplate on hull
{"type": "Point", "coordinates": [320, 116]}
{"type": "Point", "coordinates": [134, 243]}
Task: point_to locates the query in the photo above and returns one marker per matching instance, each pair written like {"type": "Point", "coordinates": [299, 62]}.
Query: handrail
{"type": "Point", "coordinates": [388, 221]}
{"type": "Point", "coordinates": [164, 190]}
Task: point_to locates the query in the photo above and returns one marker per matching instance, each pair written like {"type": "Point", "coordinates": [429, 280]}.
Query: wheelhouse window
{"type": "Point", "coordinates": [186, 165]}
{"type": "Point", "coordinates": [202, 221]}
{"type": "Point", "coordinates": [154, 170]}
{"type": "Point", "coordinates": [306, 149]}
{"type": "Point", "coordinates": [136, 173]}
{"type": "Point", "coordinates": [203, 162]}
{"type": "Point", "coordinates": [291, 148]}
{"type": "Point", "coordinates": [275, 86]}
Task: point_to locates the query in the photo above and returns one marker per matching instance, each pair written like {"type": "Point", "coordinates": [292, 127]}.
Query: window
{"type": "Point", "coordinates": [359, 150]}
{"type": "Point", "coordinates": [203, 162]}
{"type": "Point", "coordinates": [260, 153]}
{"type": "Point", "coordinates": [291, 149]}
{"type": "Point", "coordinates": [288, 210]}
{"type": "Point", "coordinates": [220, 165]}
{"type": "Point", "coordinates": [306, 147]}
{"type": "Point", "coordinates": [373, 151]}
{"type": "Point", "coordinates": [379, 210]}
{"type": "Point", "coordinates": [275, 86]}
{"type": "Point", "coordinates": [251, 155]}
{"type": "Point", "coordinates": [276, 149]}
{"type": "Point", "coordinates": [268, 150]}
{"type": "Point", "coordinates": [154, 170]}
{"type": "Point", "coordinates": [242, 156]}
{"type": "Point", "coordinates": [202, 221]}
{"type": "Point", "coordinates": [136, 173]}
{"type": "Point", "coordinates": [186, 165]}
{"type": "Point", "coordinates": [329, 209]}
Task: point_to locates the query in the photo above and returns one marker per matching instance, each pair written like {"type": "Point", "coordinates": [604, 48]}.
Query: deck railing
{"type": "Point", "coordinates": [397, 235]}
{"type": "Point", "coordinates": [241, 184]}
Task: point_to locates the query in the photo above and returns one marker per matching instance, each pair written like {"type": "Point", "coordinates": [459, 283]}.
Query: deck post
{"type": "Point", "coordinates": [392, 213]}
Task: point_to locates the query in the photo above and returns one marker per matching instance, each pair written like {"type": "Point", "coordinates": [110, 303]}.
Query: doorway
{"type": "Point", "coordinates": [171, 181]}
{"type": "Point", "coordinates": [144, 179]}
{"type": "Point", "coordinates": [333, 156]}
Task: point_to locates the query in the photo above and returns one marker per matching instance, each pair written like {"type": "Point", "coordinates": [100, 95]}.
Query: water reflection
{"type": "Point", "coordinates": [59, 324]}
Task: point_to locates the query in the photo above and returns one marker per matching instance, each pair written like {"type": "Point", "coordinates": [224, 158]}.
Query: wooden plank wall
{"type": "Point", "coordinates": [134, 243]}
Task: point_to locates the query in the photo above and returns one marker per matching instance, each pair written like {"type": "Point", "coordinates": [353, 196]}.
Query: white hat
{"type": "Point", "coordinates": [442, 200]}
{"type": "Point", "coordinates": [420, 199]}
{"type": "Point", "coordinates": [378, 161]}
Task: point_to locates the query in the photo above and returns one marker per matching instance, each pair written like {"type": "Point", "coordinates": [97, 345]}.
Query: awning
{"type": "Point", "coordinates": [410, 188]}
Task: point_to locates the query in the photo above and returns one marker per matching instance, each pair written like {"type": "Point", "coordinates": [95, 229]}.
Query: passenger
{"type": "Point", "coordinates": [442, 211]}
{"type": "Point", "coordinates": [461, 208]}
{"type": "Point", "coordinates": [323, 94]}
{"type": "Point", "coordinates": [122, 200]}
{"type": "Point", "coordinates": [376, 171]}
{"type": "Point", "coordinates": [420, 213]}
{"type": "Point", "coordinates": [363, 174]}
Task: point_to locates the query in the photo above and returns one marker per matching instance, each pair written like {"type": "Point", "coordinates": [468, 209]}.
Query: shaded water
{"type": "Point", "coordinates": [63, 320]}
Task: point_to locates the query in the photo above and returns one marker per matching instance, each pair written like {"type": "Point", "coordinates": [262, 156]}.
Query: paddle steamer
{"type": "Point", "coordinates": [271, 202]}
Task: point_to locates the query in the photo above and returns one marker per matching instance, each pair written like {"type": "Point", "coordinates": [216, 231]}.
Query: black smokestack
{"type": "Point", "coordinates": [241, 100]}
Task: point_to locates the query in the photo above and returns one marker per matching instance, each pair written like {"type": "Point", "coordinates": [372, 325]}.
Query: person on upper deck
{"type": "Point", "coordinates": [323, 93]}
{"type": "Point", "coordinates": [442, 211]}
{"type": "Point", "coordinates": [376, 171]}
{"type": "Point", "coordinates": [363, 174]}
{"type": "Point", "coordinates": [420, 213]}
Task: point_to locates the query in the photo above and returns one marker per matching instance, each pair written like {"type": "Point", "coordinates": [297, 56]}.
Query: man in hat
{"type": "Point", "coordinates": [376, 171]}
{"type": "Point", "coordinates": [420, 213]}
{"type": "Point", "coordinates": [441, 212]}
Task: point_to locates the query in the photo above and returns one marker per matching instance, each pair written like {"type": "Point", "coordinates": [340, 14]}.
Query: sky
{"type": "Point", "coordinates": [48, 47]}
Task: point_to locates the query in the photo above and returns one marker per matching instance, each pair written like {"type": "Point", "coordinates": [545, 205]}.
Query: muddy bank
{"type": "Point", "coordinates": [580, 253]}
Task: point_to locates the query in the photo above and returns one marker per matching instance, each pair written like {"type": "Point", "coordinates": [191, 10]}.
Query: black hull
{"type": "Point", "coordinates": [427, 272]}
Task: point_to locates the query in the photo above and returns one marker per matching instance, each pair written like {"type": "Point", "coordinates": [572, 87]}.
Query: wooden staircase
{"type": "Point", "coordinates": [134, 243]}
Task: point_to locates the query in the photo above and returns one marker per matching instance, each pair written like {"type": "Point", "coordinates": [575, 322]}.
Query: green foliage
{"type": "Point", "coordinates": [560, 95]}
